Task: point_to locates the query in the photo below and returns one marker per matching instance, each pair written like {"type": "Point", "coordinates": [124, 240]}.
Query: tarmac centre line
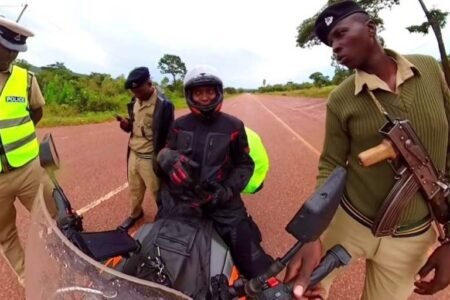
{"type": "Point", "coordinates": [119, 189]}
{"type": "Point", "coordinates": [102, 199]}
{"type": "Point", "coordinates": [299, 137]}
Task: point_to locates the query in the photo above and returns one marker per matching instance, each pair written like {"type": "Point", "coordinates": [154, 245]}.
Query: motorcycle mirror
{"type": "Point", "coordinates": [47, 153]}
{"type": "Point", "coordinates": [316, 213]}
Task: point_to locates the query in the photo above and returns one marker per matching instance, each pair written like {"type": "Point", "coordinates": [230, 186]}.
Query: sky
{"type": "Point", "coordinates": [246, 40]}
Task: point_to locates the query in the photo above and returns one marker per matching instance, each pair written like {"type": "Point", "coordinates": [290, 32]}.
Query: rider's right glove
{"type": "Point", "coordinates": [218, 194]}
{"type": "Point", "coordinates": [177, 166]}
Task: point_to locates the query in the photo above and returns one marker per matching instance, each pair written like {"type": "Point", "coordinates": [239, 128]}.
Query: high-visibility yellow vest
{"type": "Point", "coordinates": [261, 160]}
{"type": "Point", "coordinates": [18, 140]}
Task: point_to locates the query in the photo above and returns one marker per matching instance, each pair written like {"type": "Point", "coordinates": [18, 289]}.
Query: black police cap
{"type": "Point", "coordinates": [137, 77]}
{"type": "Point", "coordinates": [331, 16]}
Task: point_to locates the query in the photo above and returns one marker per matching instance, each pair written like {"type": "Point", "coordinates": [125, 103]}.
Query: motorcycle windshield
{"type": "Point", "coordinates": [56, 269]}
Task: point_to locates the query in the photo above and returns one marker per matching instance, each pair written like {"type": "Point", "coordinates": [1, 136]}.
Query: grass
{"type": "Point", "coordinates": [64, 115]}
{"type": "Point", "coordinates": [314, 92]}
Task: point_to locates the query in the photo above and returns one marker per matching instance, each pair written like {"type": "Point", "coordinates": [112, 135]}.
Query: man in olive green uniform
{"type": "Point", "coordinates": [149, 120]}
{"type": "Point", "coordinates": [403, 86]}
{"type": "Point", "coordinates": [21, 103]}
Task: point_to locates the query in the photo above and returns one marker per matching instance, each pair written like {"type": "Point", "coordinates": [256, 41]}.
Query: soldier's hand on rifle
{"type": "Point", "coordinates": [439, 261]}
{"type": "Point", "coordinates": [300, 268]}
{"type": "Point", "coordinates": [177, 166]}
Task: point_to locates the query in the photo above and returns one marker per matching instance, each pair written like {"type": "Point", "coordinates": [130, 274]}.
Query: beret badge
{"type": "Point", "coordinates": [328, 20]}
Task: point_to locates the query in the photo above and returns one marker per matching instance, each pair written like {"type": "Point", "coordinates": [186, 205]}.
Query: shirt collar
{"type": "Point", "coordinates": [405, 70]}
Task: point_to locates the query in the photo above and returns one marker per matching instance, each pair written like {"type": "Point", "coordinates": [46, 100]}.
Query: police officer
{"type": "Point", "coordinates": [150, 115]}
{"type": "Point", "coordinates": [21, 103]}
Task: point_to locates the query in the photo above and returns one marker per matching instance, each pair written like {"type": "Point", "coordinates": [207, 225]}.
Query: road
{"type": "Point", "coordinates": [93, 175]}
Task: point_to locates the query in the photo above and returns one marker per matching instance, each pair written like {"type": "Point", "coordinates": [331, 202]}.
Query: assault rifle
{"type": "Point", "coordinates": [414, 171]}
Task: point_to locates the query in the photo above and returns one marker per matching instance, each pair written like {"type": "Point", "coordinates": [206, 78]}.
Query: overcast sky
{"type": "Point", "coordinates": [246, 40]}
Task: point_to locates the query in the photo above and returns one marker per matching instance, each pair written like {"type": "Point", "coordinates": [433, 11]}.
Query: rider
{"type": "Point", "coordinates": [207, 164]}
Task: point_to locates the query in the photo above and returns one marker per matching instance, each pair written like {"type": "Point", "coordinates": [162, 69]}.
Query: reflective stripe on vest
{"type": "Point", "coordinates": [17, 132]}
{"type": "Point", "coordinates": [261, 160]}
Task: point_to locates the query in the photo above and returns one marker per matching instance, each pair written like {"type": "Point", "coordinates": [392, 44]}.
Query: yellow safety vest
{"type": "Point", "coordinates": [260, 158]}
{"type": "Point", "coordinates": [18, 140]}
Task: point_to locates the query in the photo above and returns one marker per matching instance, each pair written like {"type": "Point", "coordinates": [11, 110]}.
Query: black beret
{"type": "Point", "coordinates": [137, 77]}
{"type": "Point", "coordinates": [331, 15]}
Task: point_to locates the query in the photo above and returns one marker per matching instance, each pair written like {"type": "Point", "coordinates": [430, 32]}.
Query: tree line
{"type": "Point", "coordinates": [99, 92]}
{"type": "Point", "coordinates": [434, 19]}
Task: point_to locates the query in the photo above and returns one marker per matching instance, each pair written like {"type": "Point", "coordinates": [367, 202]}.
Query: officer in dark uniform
{"type": "Point", "coordinates": [150, 115]}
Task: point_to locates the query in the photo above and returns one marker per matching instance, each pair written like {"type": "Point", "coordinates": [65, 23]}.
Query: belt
{"type": "Point", "coordinates": [147, 155]}
{"type": "Point", "coordinates": [409, 230]}
{"type": "Point", "coordinates": [10, 168]}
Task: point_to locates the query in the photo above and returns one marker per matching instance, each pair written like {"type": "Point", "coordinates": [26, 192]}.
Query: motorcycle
{"type": "Point", "coordinates": [65, 262]}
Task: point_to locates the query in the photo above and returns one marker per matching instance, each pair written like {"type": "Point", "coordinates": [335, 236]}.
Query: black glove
{"type": "Point", "coordinates": [218, 194]}
{"type": "Point", "coordinates": [177, 166]}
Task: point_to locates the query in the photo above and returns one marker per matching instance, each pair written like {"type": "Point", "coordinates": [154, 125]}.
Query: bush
{"type": "Point", "coordinates": [313, 92]}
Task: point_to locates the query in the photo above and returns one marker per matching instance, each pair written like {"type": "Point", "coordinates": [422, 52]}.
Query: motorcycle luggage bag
{"type": "Point", "coordinates": [175, 252]}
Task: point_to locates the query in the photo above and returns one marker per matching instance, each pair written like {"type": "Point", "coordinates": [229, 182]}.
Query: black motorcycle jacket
{"type": "Point", "coordinates": [218, 145]}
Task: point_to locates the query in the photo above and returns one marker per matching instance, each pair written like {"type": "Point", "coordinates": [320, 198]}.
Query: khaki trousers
{"type": "Point", "coordinates": [141, 177]}
{"type": "Point", "coordinates": [391, 263]}
{"type": "Point", "coordinates": [23, 184]}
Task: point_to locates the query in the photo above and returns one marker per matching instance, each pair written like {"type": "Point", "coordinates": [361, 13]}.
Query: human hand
{"type": "Point", "coordinates": [439, 261]}
{"type": "Point", "coordinates": [300, 268]}
{"type": "Point", "coordinates": [125, 123]}
{"type": "Point", "coordinates": [217, 193]}
{"type": "Point", "coordinates": [177, 166]}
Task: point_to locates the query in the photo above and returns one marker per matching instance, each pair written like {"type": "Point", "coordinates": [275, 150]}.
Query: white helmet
{"type": "Point", "coordinates": [199, 76]}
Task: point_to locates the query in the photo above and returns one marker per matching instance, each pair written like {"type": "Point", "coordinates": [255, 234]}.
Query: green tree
{"type": "Point", "coordinates": [319, 80]}
{"type": "Point", "coordinates": [165, 82]}
{"type": "Point", "coordinates": [305, 31]}
{"type": "Point", "coordinates": [230, 90]}
{"type": "Point", "coordinates": [340, 74]}
{"type": "Point", "coordinates": [436, 19]}
{"type": "Point", "coordinates": [173, 65]}
{"type": "Point", "coordinates": [23, 64]}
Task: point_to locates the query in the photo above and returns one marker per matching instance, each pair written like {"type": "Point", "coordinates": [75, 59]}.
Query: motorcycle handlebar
{"type": "Point", "coordinates": [335, 257]}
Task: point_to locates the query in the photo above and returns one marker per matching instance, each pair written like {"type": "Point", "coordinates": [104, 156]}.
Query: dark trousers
{"type": "Point", "coordinates": [235, 227]}
{"type": "Point", "coordinates": [242, 236]}
{"type": "Point", "coordinates": [244, 241]}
